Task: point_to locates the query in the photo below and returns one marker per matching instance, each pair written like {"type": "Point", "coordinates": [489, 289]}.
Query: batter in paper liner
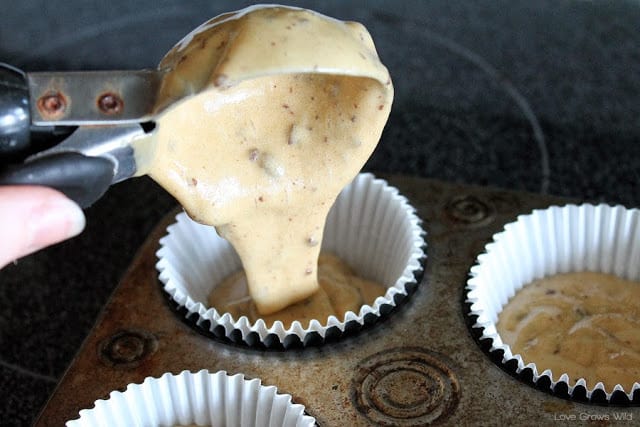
{"type": "Point", "coordinates": [583, 324]}
{"type": "Point", "coordinates": [273, 111]}
{"type": "Point", "coordinates": [341, 290]}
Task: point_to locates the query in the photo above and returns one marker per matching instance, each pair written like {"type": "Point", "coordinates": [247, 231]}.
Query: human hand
{"type": "Point", "coordinates": [32, 218]}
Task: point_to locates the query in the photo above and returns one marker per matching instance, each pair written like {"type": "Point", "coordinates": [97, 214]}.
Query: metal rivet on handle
{"type": "Point", "coordinates": [52, 105]}
{"type": "Point", "coordinates": [110, 103]}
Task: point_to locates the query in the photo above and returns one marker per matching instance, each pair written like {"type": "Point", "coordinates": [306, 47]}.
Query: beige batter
{"type": "Point", "coordinates": [584, 324]}
{"type": "Point", "coordinates": [340, 291]}
{"type": "Point", "coordinates": [273, 111]}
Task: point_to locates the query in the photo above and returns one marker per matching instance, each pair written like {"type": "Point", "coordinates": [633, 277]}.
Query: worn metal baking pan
{"type": "Point", "coordinates": [419, 366]}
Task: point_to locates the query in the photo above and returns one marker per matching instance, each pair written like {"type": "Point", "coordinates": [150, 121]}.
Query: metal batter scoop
{"type": "Point", "coordinates": [73, 130]}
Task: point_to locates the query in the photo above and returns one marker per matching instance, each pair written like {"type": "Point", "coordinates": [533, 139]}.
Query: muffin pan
{"type": "Point", "coordinates": [420, 365]}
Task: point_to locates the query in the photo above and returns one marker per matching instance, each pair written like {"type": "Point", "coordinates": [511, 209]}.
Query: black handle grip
{"type": "Point", "coordinates": [82, 178]}
{"type": "Point", "coordinates": [15, 116]}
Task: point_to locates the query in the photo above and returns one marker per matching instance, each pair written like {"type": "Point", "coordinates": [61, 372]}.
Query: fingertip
{"type": "Point", "coordinates": [68, 219]}
{"type": "Point", "coordinates": [32, 218]}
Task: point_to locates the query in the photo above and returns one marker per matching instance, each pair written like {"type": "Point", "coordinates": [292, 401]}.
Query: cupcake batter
{"type": "Point", "coordinates": [273, 111]}
{"type": "Point", "coordinates": [584, 324]}
{"type": "Point", "coordinates": [340, 291]}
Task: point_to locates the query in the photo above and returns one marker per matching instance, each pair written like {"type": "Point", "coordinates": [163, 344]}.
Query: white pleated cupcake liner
{"type": "Point", "coordinates": [560, 239]}
{"type": "Point", "coordinates": [371, 227]}
{"type": "Point", "coordinates": [200, 398]}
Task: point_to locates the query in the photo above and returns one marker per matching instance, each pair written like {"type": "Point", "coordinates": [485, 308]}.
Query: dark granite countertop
{"type": "Point", "coordinates": [537, 96]}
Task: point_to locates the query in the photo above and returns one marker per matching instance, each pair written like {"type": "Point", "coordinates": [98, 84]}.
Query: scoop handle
{"type": "Point", "coordinates": [84, 179]}
{"type": "Point", "coordinates": [15, 116]}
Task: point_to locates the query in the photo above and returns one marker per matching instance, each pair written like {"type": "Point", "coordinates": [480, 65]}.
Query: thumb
{"type": "Point", "coordinates": [32, 218]}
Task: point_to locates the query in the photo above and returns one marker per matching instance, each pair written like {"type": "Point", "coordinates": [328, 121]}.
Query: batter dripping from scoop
{"type": "Point", "coordinates": [274, 110]}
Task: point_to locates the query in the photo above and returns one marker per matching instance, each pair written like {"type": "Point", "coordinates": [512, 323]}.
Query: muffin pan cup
{"type": "Point", "coordinates": [559, 239]}
{"type": "Point", "coordinates": [201, 398]}
{"type": "Point", "coordinates": [370, 226]}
